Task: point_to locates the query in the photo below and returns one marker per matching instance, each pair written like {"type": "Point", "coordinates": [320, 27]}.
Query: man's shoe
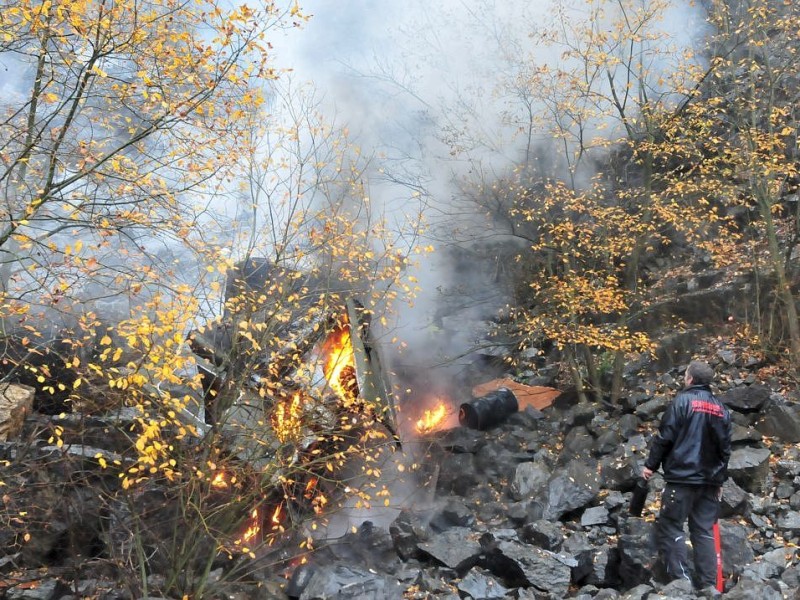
{"type": "Point", "coordinates": [710, 591]}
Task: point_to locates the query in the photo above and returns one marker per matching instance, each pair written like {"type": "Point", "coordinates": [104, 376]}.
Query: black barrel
{"type": "Point", "coordinates": [639, 497]}
{"type": "Point", "coordinates": [489, 410]}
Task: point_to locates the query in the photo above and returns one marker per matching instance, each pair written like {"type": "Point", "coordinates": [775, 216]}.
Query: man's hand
{"type": "Point", "coordinates": [647, 473]}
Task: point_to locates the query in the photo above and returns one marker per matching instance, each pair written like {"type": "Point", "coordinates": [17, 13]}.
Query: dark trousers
{"type": "Point", "coordinates": [700, 504]}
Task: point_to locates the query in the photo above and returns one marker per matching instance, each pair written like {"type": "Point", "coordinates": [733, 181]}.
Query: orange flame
{"type": "Point", "coordinates": [253, 529]}
{"type": "Point", "coordinates": [340, 365]}
{"type": "Point", "coordinates": [219, 480]}
{"type": "Point", "coordinates": [432, 419]}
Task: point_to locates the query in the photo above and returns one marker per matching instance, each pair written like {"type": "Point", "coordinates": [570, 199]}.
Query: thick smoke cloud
{"type": "Point", "coordinates": [432, 89]}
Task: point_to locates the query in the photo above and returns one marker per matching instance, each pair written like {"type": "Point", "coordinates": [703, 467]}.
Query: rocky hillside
{"type": "Point", "coordinates": [536, 507]}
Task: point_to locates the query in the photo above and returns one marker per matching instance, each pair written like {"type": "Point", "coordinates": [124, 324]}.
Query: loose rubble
{"type": "Point", "coordinates": [535, 508]}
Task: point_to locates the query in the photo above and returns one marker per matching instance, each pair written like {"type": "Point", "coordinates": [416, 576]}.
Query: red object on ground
{"type": "Point", "coordinates": [718, 551]}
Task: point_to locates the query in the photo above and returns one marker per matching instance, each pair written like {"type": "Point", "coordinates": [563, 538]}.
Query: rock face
{"type": "Point", "coordinates": [749, 467]}
{"type": "Point", "coordinates": [535, 508]}
{"type": "Point", "coordinates": [16, 401]}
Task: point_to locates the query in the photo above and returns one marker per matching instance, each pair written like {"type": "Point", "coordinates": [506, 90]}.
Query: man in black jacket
{"type": "Point", "coordinates": [693, 445]}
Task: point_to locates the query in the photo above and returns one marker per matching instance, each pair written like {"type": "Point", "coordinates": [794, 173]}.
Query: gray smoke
{"type": "Point", "coordinates": [433, 90]}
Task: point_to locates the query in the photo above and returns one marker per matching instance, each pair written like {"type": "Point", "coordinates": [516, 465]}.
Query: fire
{"type": "Point", "coordinates": [340, 365]}
{"type": "Point", "coordinates": [276, 516]}
{"type": "Point", "coordinates": [432, 419]}
{"type": "Point", "coordinates": [287, 418]}
{"type": "Point", "coordinates": [219, 480]}
{"type": "Point", "coordinates": [253, 529]}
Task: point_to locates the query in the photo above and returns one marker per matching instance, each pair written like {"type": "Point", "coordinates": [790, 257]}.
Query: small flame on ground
{"type": "Point", "coordinates": [219, 480]}
{"type": "Point", "coordinates": [276, 516]}
{"type": "Point", "coordinates": [253, 529]}
{"type": "Point", "coordinates": [432, 419]}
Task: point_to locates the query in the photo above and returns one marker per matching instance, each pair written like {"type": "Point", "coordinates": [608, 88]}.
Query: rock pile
{"type": "Point", "coordinates": [538, 508]}
{"type": "Point", "coordinates": [535, 508]}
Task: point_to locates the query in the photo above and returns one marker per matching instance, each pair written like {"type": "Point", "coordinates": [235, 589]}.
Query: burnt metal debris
{"type": "Point", "coordinates": [298, 328]}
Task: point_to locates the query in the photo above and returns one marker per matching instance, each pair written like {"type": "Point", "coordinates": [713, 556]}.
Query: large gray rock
{"type": "Point", "coordinates": [462, 440]}
{"type": "Point", "coordinates": [531, 566]}
{"type": "Point", "coordinates": [480, 585]}
{"type": "Point", "coordinates": [407, 532]}
{"type": "Point", "coordinates": [736, 550]}
{"type": "Point", "coordinates": [637, 552]}
{"type": "Point", "coordinates": [619, 472]}
{"type": "Point", "coordinates": [749, 468]}
{"type": "Point", "coordinates": [457, 548]}
{"type": "Point", "coordinates": [608, 441]}
{"type": "Point", "coordinates": [529, 478]}
{"type": "Point", "coordinates": [578, 442]}
{"type": "Point", "coordinates": [45, 589]}
{"type": "Point", "coordinates": [578, 547]}
{"type": "Point", "coordinates": [576, 486]}
{"type": "Point", "coordinates": [596, 515]}
{"type": "Point", "coordinates": [780, 421]}
{"type": "Point", "coordinates": [734, 501]}
{"type": "Point", "coordinates": [545, 534]}
{"type": "Point", "coordinates": [652, 408]}
{"type": "Point", "coordinates": [746, 398]}
{"type": "Point", "coordinates": [750, 589]}
{"type": "Point", "coordinates": [457, 474]}
{"type": "Point", "coordinates": [790, 523]}
{"type": "Point", "coordinates": [768, 566]}
{"type": "Point", "coordinates": [342, 582]}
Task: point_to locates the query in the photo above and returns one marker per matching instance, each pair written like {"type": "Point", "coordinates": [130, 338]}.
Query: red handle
{"type": "Point", "coordinates": [718, 551]}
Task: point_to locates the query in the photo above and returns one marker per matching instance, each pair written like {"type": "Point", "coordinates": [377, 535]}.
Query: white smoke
{"type": "Point", "coordinates": [432, 88]}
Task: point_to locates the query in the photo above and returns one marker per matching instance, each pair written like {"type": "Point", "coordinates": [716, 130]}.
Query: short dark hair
{"type": "Point", "coordinates": [700, 372]}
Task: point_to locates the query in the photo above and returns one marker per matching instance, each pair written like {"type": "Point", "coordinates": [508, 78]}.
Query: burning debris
{"type": "Point", "coordinates": [432, 419]}
{"type": "Point", "coordinates": [293, 385]}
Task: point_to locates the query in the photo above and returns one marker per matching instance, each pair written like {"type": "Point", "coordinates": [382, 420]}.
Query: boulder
{"type": "Point", "coordinates": [746, 398]}
{"type": "Point", "coordinates": [407, 533]}
{"type": "Point", "coordinates": [16, 402]}
{"type": "Point", "coordinates": [736, 550]}
{"type": "Point", "coordinates": [749, 468]}
{"type": "Point", "coordinates": [574, 487]}
{"type": "Point", "coordinates": [637, 552]}
{"type": "Point", "coordinates": [340, 582]}
{"type": "Point", "coordinates": [529, 478]}
{"type": "Point", "coordinates": [456, 548]}
{"type": "Point", "coordinates": [781, 421]}
{"type": "Point", "coordinates": [545, 534]}
{"type": "Point", "coordinates": [479, 583]}
{"type": "Point", "coordinates": [734, 501]}
{"type": "Point", "coordinates": [748, 589]}
{"type": "Point", "coordinates": [528, 566]}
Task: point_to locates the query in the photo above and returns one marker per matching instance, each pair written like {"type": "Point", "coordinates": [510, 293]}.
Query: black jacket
{"type": "Point", "coordinates": [693, 443]}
